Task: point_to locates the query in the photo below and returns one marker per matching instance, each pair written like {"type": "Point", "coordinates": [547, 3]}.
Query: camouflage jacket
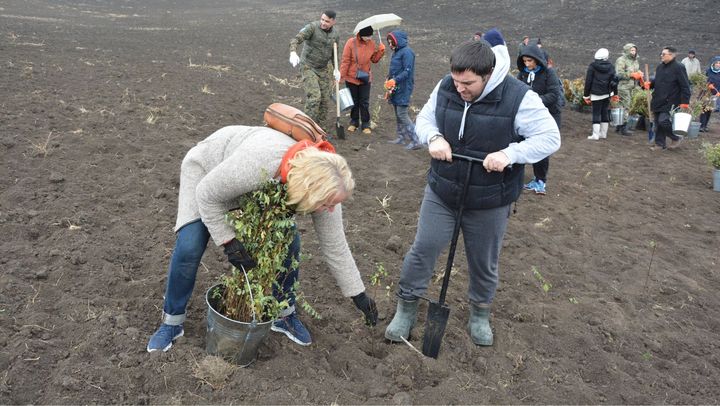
{"type": "Point", "coordinates": [625, 65]}
{"type": "Point", "coordinates": [317, 51]}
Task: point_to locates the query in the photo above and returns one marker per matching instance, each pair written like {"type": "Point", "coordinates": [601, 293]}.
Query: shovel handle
{"type": "Point", "coordinates": [337, 83]}
{"type": "Point", "coordinates": [468, 158]}
{"type": "Point", "coordinates": [456, 229]}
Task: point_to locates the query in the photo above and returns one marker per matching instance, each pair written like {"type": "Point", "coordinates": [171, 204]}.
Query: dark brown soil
{"type": "Point", "coordinates": [101, 100]}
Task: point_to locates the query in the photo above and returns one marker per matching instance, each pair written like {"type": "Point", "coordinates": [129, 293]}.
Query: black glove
{"type": "Point", "coordinates": [367, 306]}
{"type": "Point", "coordinates": [238, 255]}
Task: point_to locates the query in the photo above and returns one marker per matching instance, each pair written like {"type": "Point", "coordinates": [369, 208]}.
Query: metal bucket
{"type": "Point", "coordinates": [235, 341]}
{"type": "Point", "coordinates": [716, 180]}
{"type": "Point", "coordinates": [681, 123]}
{"type": "Point", "coordinates": [632, 122]}
{"type": "Point", "coordinates": [617, 116]}
{"type": "Point", "coordinates": [693, 129]}
{"type": "Point", "coordinates": [346, 100]}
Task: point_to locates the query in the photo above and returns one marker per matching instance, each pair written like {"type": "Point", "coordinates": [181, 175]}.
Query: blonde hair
{"type": "Point", "coordinates": [315, 177]}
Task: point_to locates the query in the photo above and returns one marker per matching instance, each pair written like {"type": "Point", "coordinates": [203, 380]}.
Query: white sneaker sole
{"type": "Point", "coordinates": [289, 335]}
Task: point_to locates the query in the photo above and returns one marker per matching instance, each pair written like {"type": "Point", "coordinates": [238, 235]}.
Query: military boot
{"type": "Point", "coordinates": [403, 321]}
{"type": "Point", "coordinates": [479, 324]}
{"type": "Point", "coordinates": [625, 131]}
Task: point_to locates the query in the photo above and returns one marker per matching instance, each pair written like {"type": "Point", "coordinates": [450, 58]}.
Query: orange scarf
{"type": "Point", "coordinates": [299, 146]}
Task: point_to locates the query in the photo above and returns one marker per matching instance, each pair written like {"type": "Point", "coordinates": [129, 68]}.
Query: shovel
{"type": "Point", "coordinates": [438, 312]}
{"type": "Point", "coordinates": [338, 127]}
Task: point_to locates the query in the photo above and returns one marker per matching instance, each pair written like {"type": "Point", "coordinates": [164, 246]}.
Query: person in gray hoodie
{"type": "Point", "coordinates": [236, 160]}
{"type": "Point", "coordinates": [477, 110]}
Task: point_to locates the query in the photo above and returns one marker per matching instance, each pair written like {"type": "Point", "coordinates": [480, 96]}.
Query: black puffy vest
{"type": "Point", "coordinates": [489, 127]}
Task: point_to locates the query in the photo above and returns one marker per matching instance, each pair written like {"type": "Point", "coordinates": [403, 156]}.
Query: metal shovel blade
{"type": "Point", "coordinates": [340, 130]}
{"type": "Point", "coordinates": [435, 324]}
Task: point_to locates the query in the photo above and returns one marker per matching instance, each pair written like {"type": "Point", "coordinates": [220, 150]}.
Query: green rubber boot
{"type": "Point", "coordinates": [403, 321]}
{"type": "Point", "coordinates": [479, 324]}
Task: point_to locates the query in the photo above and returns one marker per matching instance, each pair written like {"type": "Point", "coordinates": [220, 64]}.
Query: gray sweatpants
{"type": "Point", "coordinates": [482, 232]}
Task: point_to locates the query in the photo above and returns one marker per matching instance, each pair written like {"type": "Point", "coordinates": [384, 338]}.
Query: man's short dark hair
{"type": "Point", "coordinates": [672, 50]}
{"type": "Point", "coordinates": [330, 14]}
{"type": "Point", "coordinates": [475, 56]}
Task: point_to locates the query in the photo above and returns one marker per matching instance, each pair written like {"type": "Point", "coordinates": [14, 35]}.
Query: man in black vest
{"type": "Point", "coordinates": [479, 111]}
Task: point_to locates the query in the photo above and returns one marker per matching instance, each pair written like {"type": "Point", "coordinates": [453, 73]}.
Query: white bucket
{"type": "Point", "coordinates": [617, 116]}
{"type": "Point", "coordinates": [346, 101]}
{"type": "Point", "coordinates": [681, 123]}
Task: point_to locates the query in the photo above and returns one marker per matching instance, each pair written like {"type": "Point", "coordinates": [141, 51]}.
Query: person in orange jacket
{"type": "Point", "coordinates": [359, 53]}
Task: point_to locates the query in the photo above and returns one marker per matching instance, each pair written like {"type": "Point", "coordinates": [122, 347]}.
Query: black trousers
{"type": "Point", "coordinates": [600, 111]}
{"type": "Point", "coordinates": [663, 128]}
{"type": "Point", "coordinates": [540, 168]}
{"type": "Point", "coordinates": [705, 119]}
{"type": "Point", "coordinates": [360, 113]}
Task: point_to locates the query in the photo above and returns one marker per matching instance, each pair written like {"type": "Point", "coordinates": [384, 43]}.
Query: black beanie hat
{"type": "Point", "coordinates": [366, 32]}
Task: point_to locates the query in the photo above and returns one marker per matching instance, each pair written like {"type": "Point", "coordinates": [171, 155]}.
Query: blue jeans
{"type": "Point", "coordinates": [405, 126]}
{"type": "Point", "coordinates": [190, 245]}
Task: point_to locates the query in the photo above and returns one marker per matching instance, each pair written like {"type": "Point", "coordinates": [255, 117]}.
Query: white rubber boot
{"type": "Point", "coordinates": [603, 130]}
{"type": "Point", "coordinates": [596, 132]}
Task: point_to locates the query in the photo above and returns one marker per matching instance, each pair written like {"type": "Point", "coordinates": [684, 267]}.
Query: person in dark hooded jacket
{"type": "Point", "coordinates": [713, 85]}
{"type": "Point", "coordinates": [400, 83]}
{"type": "Point", "coordinates": [600, 86]}
{"type": "Point", "coordinates": [533, 71]}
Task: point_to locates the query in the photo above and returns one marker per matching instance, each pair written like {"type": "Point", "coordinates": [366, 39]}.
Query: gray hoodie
{"type": "Point", "coordinates": [532, 121]}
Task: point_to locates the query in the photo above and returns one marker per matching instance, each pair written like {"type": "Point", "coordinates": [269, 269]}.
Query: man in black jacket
{"type": "Point", "coordinates": [671, 88]}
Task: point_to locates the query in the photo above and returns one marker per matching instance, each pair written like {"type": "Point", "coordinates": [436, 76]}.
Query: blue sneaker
{"type": "Point", "coordinates": [293, 328]}
{"type": "Point", "coordinates": [539, 187]}
{"type": "Point", "coordinates": [163, 338]}
{"type": "Point", "coordinates": [530, 185]}
{"type": "Point", "coordinates": [412, 146]}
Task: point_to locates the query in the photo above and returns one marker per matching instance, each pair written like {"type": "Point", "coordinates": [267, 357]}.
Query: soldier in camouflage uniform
{"type": "Point", "coordinates": [317, 55]}
{"type": "Point", "coordinates": [627, 68]}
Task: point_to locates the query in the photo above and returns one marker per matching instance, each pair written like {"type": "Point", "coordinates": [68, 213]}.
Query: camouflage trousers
{"type": "Point", "coordinates": [625, 93]}
{"type": "Point", "coordinates": [317, 92]}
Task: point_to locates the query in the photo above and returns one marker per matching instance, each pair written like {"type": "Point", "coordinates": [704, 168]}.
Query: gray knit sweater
{"type": "Point", "coordinates": [235, 160]}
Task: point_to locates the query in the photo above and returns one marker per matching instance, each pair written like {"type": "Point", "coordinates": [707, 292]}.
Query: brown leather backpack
{"type": "Point", "coordinates": [293, 122]}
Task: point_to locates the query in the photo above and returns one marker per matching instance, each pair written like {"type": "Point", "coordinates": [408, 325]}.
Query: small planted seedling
{"type": "Point", "coordinates": [544, 285]}
{"type": "Point", "coordinates": [653, 246]}
{"type": "Point", "coordinates": [376, 280]}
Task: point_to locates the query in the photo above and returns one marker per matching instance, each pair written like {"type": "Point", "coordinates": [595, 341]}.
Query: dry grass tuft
{"type": "Point", "coordinates": [42, 148]}
{"type": "Point", "coordinates": [214, 371]}
{"type": "Point", "coordinates": [295, 84]}
{"type": "Point", "coordinates": [217, 68]}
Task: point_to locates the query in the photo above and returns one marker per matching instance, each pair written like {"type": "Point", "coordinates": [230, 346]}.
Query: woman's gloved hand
{"type": "Point", "coordinates": [367, 306]}
{"type": "Point", "coordinates": [238, 255]}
